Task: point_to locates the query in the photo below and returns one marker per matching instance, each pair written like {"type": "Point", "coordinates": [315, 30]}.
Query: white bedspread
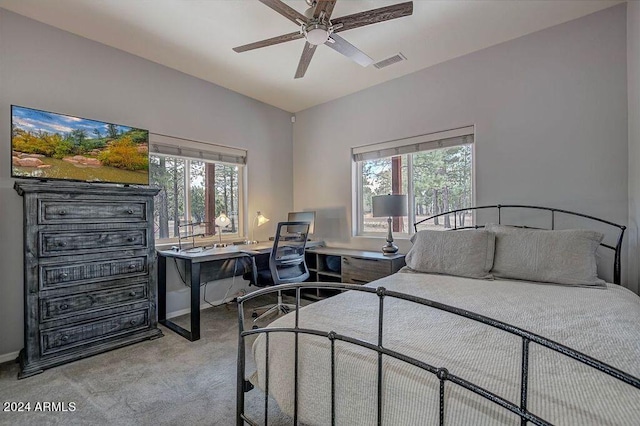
{"type": "Point", "coordinates": [603, 323]}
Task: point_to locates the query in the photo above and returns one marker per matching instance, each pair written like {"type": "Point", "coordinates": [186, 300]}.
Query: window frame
{"type": "Point", "coordinates": [241, 199]}
{"type": "Point", "coordinates": [357, 204]}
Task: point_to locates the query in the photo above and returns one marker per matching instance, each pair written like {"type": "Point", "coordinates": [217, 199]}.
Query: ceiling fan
{"type": "Point", "coordinates": [317, 28]}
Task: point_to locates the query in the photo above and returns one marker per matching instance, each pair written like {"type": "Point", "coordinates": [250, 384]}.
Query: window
{"type": "Point", "coordinates": [435, 171]}
{"type": "Point", "coordinates": [195, 188]}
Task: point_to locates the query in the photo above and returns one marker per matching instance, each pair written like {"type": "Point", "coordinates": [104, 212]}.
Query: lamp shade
{"type": "Point", "coordinates": [222, 220]}
{"type": "Point", "coordinates": [261, 219]}
{"type": "Point", "coordinates": [389, 205]}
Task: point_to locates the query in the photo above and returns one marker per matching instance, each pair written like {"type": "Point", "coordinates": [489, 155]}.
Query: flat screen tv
{"type": "Point", "coordinates": [47, 145]}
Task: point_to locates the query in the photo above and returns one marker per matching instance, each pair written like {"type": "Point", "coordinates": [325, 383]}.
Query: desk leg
{"type": "Point", "coordinates": [162, 288]}
{"type": "Point", "coordinates": [193, 270]}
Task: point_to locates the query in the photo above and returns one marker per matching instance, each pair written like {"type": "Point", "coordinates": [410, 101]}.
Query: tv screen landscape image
{"type": "Point", "coordinates": [47, 145]}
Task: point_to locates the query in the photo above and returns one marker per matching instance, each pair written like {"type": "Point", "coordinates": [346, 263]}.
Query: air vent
{"type": "Point", "coordinates": [390, 61]}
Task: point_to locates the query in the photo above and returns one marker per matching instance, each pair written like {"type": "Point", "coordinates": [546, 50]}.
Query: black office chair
{"type": "Point", "coordinates": [286, 264]}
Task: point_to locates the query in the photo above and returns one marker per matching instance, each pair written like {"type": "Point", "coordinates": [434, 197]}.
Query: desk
{"type": "Point", "coordinates": [193, 260]}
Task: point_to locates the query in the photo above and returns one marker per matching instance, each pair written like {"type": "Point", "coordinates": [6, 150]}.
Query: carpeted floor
{"type": "Point", "coordinates": [168, 381]}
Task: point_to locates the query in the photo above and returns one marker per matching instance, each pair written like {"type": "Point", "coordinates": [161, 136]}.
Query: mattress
{"type": "Point", "coordinates": [601, 322]}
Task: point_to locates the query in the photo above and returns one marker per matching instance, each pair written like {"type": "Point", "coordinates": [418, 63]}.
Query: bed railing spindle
{"type": "Point", "coordinates": [295, 368]}
{"type": "Point", "coordinates": [240, 368]}
{"type": "Point", "coordinates": [442, 374]}
{"type": "Point", "coordinates": [524, 382]}
{"type": "Point", "coordinates": [332, 338]}
{"type": "Point", "coordinates": [616, 259]}
{"type": "Point", "coordinates": [266, 380]}
{"type": "Point", "coordinates": [553, 219]}
{"type": "Point", "coordinates": [297, 306]}
{"type": "Point", "coordinates": [380, 291]}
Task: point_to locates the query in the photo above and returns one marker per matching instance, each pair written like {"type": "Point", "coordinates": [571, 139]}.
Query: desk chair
{"type": "Point", "coordinates": [286, 264]}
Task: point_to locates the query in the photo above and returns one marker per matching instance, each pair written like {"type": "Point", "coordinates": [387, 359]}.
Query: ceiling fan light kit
{"type": "Point", "coordinates": [317, 29]}
{"type": "Point", "coordinates": [316, 33]}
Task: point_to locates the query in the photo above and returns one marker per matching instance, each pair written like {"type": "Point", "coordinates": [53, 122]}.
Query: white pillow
{"type": "Point", "coordinates": [466, 253]}
{"type": "Point", "coordinates": [562, 256]}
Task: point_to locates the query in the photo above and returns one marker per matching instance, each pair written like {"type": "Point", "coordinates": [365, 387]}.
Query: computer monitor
{"type": "Point", "coordinates": [301, 217]}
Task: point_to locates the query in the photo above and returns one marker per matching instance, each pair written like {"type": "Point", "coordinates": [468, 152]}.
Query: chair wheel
{"type": "Point", "coordinates": [254, 315]}
{"type": "Point", "coordinates": [255, 327]}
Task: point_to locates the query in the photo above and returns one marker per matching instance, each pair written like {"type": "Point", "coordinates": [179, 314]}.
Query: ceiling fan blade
{"type": "Point", "coordinates": [325, 6]}
{"type": "Point", "coordinates": [284, 10]}
{"type": "Point", "coordinates": [341, 45]}
{"type": "Point", "coordinates": [269, 42]}
{"type": "Point", "coordinates": [305, 59]}
{"type": "Point", "coordinates": [373, 16]}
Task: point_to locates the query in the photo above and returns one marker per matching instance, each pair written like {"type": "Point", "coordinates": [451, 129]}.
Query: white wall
{"type": "Point", "coordinates": [633, 83]}
{"type": "Point", "coordinates": [46, 68]}
{"type": "Point", "coordinates": [550, 110]}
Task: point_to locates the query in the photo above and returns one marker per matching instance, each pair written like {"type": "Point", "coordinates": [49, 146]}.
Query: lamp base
{"type": "Point", "coordinates": [390, 248]}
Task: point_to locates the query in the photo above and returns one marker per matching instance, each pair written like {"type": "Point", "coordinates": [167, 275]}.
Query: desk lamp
{"type": "Point", "coordinates": [222, 221]}
{"type": "Point", "coordinates": [259, 220]}
{"type": "Point", "coordinates": [390, 206]}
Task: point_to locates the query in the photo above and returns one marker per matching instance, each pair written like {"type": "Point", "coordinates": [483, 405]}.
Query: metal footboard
{"type": "Point", "coordinates": [519, 408]}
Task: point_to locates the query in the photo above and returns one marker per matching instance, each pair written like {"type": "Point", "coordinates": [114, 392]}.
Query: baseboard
{"type": "Point", "coordinates": [11, 356]}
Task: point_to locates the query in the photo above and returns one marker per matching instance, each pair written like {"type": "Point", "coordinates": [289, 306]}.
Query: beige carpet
{"type": "Point", "coordinates": [168, 381]}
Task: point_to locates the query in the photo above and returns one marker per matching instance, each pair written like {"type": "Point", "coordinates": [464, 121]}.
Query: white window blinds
{"type": "Point", "coordinates": [454, 137]}
{"type": "Point", "coordinates": [178, 147]}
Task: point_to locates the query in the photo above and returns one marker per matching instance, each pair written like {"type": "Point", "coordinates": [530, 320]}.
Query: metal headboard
{"type": "Point", "coordinates": [499, 207]}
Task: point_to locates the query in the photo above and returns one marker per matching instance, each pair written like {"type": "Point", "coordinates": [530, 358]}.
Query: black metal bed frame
{"type": "Point", "coordinates": [518, 408]}
{"type": "Point", "coordinates": [499, 207]}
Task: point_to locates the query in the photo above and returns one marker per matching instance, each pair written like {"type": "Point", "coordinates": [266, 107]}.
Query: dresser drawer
{"type": "Point", "coordinates": [60, 339]}
{"type": "Point", "coordinates": [55, 307]}
{"type": "Point", "coordinates": [83, 211]}
{"type": "Point", "coordinates": [360, 271]}
{"type": "Point", "coordinates": [63, 243]}
{"type": "Point", "coordinates": [55, 276]}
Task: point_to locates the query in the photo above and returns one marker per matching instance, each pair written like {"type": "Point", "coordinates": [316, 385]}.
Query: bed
{"type": "Point", "coordinates": [435, 348]}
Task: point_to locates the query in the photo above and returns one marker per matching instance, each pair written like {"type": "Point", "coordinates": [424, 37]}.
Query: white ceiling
{"type": "Point", "coordinates": [197, 37]}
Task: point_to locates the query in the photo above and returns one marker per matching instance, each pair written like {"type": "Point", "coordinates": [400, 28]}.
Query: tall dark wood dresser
{"type": "Point", "coordinates": [89, 270]}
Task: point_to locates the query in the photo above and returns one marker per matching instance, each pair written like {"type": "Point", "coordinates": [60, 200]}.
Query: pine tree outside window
{"type": "Point", "coordinates": [435, 171]}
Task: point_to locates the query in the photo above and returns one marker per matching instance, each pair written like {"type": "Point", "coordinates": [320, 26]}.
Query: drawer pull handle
{"type": "Point", "coordinates": [62, 243]}
{"type": "Point", "coordinates": [133, 293]}
{"type": "Point", "coordinates": [64, 307]}
{"type": "Point", "coordinates": [64, 338]}
{"type": "Point", "coordinates": [133, 322]}
{"type": "Point", "coordinates": [131, 239]}
{"type": "Point", "coordinates": [62, 212]}
{"type": "Point", "coordinates": [132, 266]}
{"type": "Point", "coordinates": [129, 211]}
{"type": "Point", "coordinates": [64, 275]}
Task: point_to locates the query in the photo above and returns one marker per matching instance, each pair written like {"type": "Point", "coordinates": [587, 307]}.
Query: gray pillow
{"type": "Point", "coordinates": [562, 256]}
{"type": "Point", "coordinates": [467, 253]}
